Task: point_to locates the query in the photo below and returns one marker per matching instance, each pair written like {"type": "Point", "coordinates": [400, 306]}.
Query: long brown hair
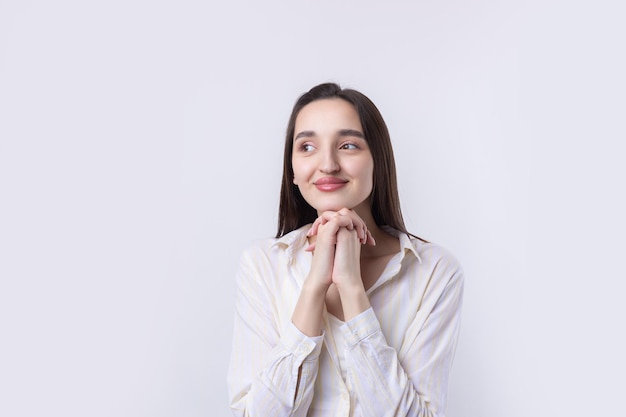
{"type": "Point", "coordinates": [295, 212]}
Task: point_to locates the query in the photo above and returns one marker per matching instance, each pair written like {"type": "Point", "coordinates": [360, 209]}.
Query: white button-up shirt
{"type": "Point", "coordinates": [391, 360]}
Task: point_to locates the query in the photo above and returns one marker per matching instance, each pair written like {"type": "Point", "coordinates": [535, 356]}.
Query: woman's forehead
{"type": "Point", "coordinates": [327, 114]}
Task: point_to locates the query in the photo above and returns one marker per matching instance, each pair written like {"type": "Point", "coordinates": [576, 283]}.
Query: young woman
{"type": "Point", "coordinates": [344, 313]}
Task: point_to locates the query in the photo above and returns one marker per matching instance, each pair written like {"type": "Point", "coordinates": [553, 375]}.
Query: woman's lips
{"type": "Point", "coordinates": [330, 183]}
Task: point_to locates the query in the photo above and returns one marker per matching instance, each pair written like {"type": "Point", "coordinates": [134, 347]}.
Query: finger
{"type": "Point", "coordinates": [348, 237]}
{"type": "Point", "coordinates": [321, 220]}
{"type": "Point", "coordinates": [357, 223]}
{"type": "Point", "coordinates": [345, 211]}
{"type": "Point", "coordinates": [313, 230]}
{"type": "Point", "coordinates": [326, 216]}
{"type": "Point", "coordinates": [363, 234]}
{"type": "Point", "coordinates": [340, 220]}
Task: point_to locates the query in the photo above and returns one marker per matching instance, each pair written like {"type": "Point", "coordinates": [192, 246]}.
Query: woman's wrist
{"type": "Point", "coordinates": [315, 288]}
{"type": "Point", "coordinates": [307, 316]}
{"type": "Point", "coordinates": [354, 300]}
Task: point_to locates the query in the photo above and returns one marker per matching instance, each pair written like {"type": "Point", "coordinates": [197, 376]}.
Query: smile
{"type": "Point", "coordinates": [329, 183]}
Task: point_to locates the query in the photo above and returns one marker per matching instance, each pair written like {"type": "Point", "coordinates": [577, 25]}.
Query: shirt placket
{"type": "Point", "coordinates": [331, 347]}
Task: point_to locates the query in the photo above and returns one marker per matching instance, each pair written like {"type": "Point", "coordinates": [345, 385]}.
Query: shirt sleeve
{"type": "Point", "coordinates": [272, 371]}
{"type": "Point", "coordinates": [417, 385]}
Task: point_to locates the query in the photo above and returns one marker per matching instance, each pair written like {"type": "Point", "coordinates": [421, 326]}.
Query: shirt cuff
{"type": "Point", "coordinates": [300, 345]}
{"type": "Point", "coordinates": [360, 327]}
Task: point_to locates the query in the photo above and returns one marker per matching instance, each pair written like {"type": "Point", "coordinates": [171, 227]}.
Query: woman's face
{"type": "Point", "coordinates": [332, 164]}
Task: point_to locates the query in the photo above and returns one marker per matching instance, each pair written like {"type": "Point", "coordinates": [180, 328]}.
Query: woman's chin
{"type": "Point", "coordinates": [332, 207]}
{"type": "Point", "coordinates": [338, 205]}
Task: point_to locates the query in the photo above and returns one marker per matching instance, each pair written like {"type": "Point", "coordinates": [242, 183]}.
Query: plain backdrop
{"type": "Point", "coordinates": [140, 151]}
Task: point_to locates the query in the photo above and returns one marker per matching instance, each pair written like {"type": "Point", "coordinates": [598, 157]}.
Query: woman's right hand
{"type": "Point", "coordinates": [320, 275]}
{"type": "Point", "coordinates": [307, 314]}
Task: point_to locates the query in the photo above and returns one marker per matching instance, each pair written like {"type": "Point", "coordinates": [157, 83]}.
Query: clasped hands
{"type": "Point", "coordinates": [337, 249]}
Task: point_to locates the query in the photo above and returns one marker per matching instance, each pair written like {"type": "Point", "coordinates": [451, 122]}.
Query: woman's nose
{"type": "Point", "coordinates": [329, 163]}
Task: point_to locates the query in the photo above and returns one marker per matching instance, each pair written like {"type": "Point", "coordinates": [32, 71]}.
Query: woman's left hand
{"type": "Point", "coordinates": [346, 273]}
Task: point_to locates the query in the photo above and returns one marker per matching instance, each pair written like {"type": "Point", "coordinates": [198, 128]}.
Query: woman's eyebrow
{"type": "Point", "coordinates": [351, 132]}
{"type": "Point", "coordinates": [304, 134]}
{"type": "Point", "coordinates": [340, 133]}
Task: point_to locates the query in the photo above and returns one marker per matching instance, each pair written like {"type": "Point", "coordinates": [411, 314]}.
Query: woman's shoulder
{"type": "Point", "coordinates": [427, 253]}
{"type": "Point", "coordinates": [260, 245]}
{"type": "Point", "coordinates": [263, 259]}
{"type": "Point", "coordinates": [432, 250]}
{"type": "Point", "coordinates": [437, 257]}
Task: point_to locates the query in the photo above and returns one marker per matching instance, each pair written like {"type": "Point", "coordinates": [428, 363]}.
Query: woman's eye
{"type": "Point", "coordinates": [349, 146]}
{"type": "Point", "coordinates": [306, 147]}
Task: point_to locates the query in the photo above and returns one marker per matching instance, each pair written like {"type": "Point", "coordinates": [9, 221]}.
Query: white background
{"type": "Point", "coordinates": [141, 147]}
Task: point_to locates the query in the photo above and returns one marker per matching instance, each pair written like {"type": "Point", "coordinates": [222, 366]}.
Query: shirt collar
{"type": "Point", "coordinates": [406, 243]}
{"type": "Point", "coordinates": [293, 241]}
